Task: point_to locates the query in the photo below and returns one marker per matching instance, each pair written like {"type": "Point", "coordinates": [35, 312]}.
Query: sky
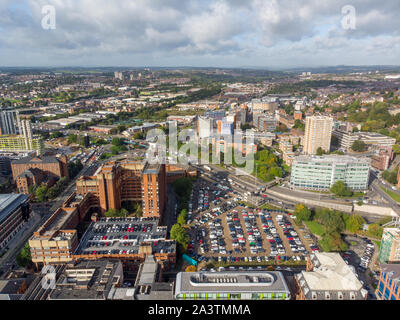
{"type": "Point", "coordinates": [200, 33]}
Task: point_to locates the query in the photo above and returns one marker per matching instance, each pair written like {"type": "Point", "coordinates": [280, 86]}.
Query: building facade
{"type": "Point", "coordinates": [389, 282]}
{"type": "Point", "coordinates": [133, 181]}
{"type": "Point", "coordinates": [317, 134]}
{"type": "Point", "coordinates": [321, 172]}
{"type": "Point", "coordinates": [14, 212]}
{"type": "Point", "coordinates": [390, 246]}
{"type": "Point", "coordinates": [264, 285]}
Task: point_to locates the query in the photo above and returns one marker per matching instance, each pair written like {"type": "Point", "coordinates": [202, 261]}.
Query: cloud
{"type": "Point", "coordinates": [175, 31]}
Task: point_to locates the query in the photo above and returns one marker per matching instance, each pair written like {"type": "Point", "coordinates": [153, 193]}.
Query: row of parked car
{"type": "Point", "coordinates": [271, 233]}
{"type": "Point", "coordinates": [253, 233]}
{"type": "Point", "coordinates": [366, 258]}
{"type": "Point", "coordinates": [293, 238]}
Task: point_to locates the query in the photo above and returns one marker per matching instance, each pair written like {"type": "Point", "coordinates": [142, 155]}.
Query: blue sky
{"type": "Point", "coordinates": [221, 33]}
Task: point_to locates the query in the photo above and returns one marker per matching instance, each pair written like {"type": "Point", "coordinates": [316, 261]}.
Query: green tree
{"type": "Point", "coordinates": [358, 146]}
{"type": "Point", "coordinates": [179, 234]}
{"type": "Point", "coordinates": [302, 213]}
{"type": "Point", "coordinates": [182, 217]}
{"type": "Point", "coordinates": [41, 193]}
{"type": "Point", "coordinates": [24, 256]}
{"type": "Point", "coordinates": [340, 189]}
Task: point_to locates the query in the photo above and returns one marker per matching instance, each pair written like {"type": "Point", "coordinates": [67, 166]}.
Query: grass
{"type": "Point", "coordinates": [315, 227]}
{"type": "Point", "coordinates": [378, 243]}
{"type": "Point", "coordinates": [270, 207]}
{"type": "Point", "coordinates": [394, 196]}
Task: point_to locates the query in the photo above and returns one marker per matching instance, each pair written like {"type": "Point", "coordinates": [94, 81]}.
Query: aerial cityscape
{"type": "Point", "coordinates": [191, 168]}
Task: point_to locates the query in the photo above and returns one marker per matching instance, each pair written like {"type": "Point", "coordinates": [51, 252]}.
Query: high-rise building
{"type": "Point", "coordinates": [128, 181]}
{"type": "Point", "coordinates": [9, 122]}
{"type": "Point", "coordinates": [318, 134]}
{"type": "Point", "coordinates": [390, 246]}
{"type": "Point", "coordinates": [320, 173]}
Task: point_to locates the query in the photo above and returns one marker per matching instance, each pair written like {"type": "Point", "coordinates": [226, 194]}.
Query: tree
{"type": "Point", "coordinates": [179, 234]}
{"type": "Point", "coordinates": [24, 256]}
{"type": "Point", "coordinates": [320, 151]}
{"type": "Point", "coordinates": [340, 189]}
{"type": "Point", "coordinates": [41, 193]}
{"type": "Point", "coordinates": [358, 146]}
{"type": "Point", "coordinates": [354, 223]}
{"type": "Point", "coordinates": [375, 230]}
{"type": "Point", "coordinates": [302, 213]}
{"type": "Point", "coordinates": [182, 217]}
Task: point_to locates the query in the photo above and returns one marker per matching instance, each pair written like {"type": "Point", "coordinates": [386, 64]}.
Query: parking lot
{"type": "Point", "coordinates": [248, 235]}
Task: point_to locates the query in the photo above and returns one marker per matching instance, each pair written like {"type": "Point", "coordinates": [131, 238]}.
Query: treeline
{"type": "Point", "coordinates": [330, 224]}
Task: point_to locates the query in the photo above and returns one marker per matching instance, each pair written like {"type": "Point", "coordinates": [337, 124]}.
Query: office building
{"type": "Point", "coordinates": [389, 251]}
{"type": "Point", "coordinates": [346, 139]}
{"type": "Point", "coordinates": [318, 133]}
{"type": "Point", "coordinates": [264, 104]}
{"type": "Point", "coordinates": [321, 172]}
{"type": "Point", "coordinates": [264, 122]}
{"type": "Point", "coordinates": [328, 277]}
{"type": "Point", "coordinates": [128, 181]}
{"type": "Point", "coordinates": [389, 282]}
{"type": "Point", "coordinates": [9, 122]}
{"type": "Point", "coordinates": [14, 212]}
{"type": "Point", "coordinates": [261, 285]}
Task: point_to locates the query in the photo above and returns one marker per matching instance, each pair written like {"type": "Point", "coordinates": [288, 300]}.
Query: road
{"type": "Point", "coordinates": [377, 186]}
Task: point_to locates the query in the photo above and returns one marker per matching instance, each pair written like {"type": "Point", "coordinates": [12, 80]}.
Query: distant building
{"type": "Point", "coordinates": [346, 139]}
{"type": "Point", "coordinates": [14, 212]}
{"type": "Point", "coordinates": [33, 170]}
{"type": "Point", "coordinates": [318, 134]}
{"type": "Point", "coordinates": [321, 172]}
{"type": "Point", "coordinates": [9, 122]}
{"type": "Point", "coordinates": [328, 277]}
{"type": "Point", "coordinates": [389, 251]}
{"type": "Point", "coordinates": [260, 285]}
{"type": "Point", "coordinates": [15, 143]}
{"type": "Point", "coordinates": [389, 282]}
{"type": "Point", "coordinates": [382, 158]}
{"type": "Point", "coordinates": [264, 122]}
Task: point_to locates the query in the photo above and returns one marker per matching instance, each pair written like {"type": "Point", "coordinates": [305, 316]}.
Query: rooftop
{"type": "Point", "coordinates": [330, 276]}
{"type": "Point", "coordinates": [272, 281]}
{"type": "Point", "coordinates": [10, 202]}
{"type": "Point", "coordinates": [87, 280]}
{"type": "Point", "coordinates": [114, 236]}
{"type": "Point", "coordinates": [392, 270]}
{"type": "Point", "coordinates": [337, 159]}
{"type": "Point", "coordinates": [36, 159]}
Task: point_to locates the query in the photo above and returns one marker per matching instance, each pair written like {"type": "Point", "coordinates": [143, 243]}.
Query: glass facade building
{"type": "Point", "coordinates": [321, 172]}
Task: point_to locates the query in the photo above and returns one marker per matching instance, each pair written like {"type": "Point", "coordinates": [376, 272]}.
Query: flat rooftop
{"type": "Point", "coordinates": [9, 203]}
{"type": "Point", "coordinates": [337, 159]}
{"type": "Point", "coordinates": [271, 281]}
{"type": "Point", "coordinates": [113, 236]}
